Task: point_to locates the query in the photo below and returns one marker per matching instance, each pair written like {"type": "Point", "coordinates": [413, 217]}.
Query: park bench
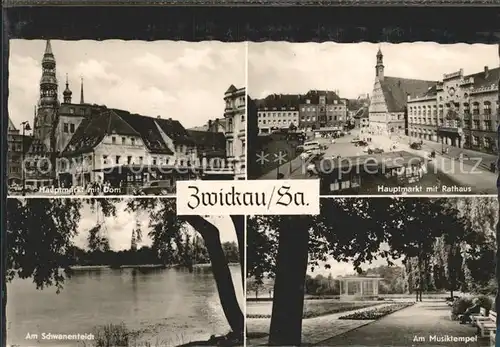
{"type": "Point", "coordinates": [487, 326]}
{"type": "Point", "coordinates": [479, 316]}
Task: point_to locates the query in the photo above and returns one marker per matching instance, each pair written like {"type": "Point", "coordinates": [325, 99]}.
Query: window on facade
{"type": "Point", "coordinates": [475, 140]}
{"type": "Point", "coordinates": [66, 128]}
{"type": "Point", "coordinates": [117, 159]}
{"type": "Point", "coordinates": [230, 125]}
{"type": "Point", "coordinates": [124, 140]}
{"type": "Point", "coordinates": [475, 124]}
{"type": "Point", "coordinates": [487, 108]}
{"type": "Point", "coordinates": [132, 141]}
{"type": "Point", "coordinates": [82, 112]}
{"type": "Point", "coordinates": [72, 128]}
{"type": "Point", "coordinates": [475, 108]}
{"type": "Point", "coordinates": [141, 159]}
{"type": "Point", "coordinates": [104, 159]}
{"type": "Point", "coordinates": [487, 125]}
{"type": "Point", "coordinates": [113, 139]}
{"type": "Point", "coordinates": [71, 110]}
{"type": "Point", "coordinates": [487, 143]}
{"type": "Point", "coordinates": [243, 146]}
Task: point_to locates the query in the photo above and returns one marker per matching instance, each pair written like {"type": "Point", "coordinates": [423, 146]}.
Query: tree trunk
{"type": "Point", "coordinates": [239, 227]}
{"type": "Point", "coordinates": [291, 268]}
{"type": "Point", "coordinates": [221, 272]}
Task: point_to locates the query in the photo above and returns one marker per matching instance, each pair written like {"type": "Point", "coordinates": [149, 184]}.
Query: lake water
{"type": "Point", "coordinates": [168, 306]}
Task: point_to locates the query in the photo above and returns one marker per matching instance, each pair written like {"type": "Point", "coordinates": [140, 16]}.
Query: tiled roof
{"type": "Point", "coordinates": [93, 129]}
{"type": "Point", "coordinates": [279, 101]}
{"type": "Point", "coordinates": [212, 143]}
{"type": "Point", "coordinates": [314, 95]}
{"type": "Point", "coordinates": [113, 121]}
{"type": "Point", "coordinates": [174, 130]}
{"type": "Point", "coordinates": [481, 80]}
{"type": "Point", "coordinates": [396, 91]}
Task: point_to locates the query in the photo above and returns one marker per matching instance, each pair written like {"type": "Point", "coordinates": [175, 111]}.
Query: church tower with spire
{"type": "Point", "coordinates": [48, 101]}
{"type": "Point", "coordinates": [67, 92]}
{"type": "Point", "coordinates": [379, 68]}
{"type": "Point", "coordinates": [82, 100]}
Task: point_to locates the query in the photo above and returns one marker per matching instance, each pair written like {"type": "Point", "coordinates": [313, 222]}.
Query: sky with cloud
{"type": "Point", "coordinates": [295, 68]}
{"type": "Point", "coordinates": [173, 79]}
{"type": "Point", "coordinates": [119, 228]}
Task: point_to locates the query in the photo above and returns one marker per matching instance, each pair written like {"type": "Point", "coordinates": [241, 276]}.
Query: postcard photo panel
{"type": "Point", "coordinates": [124, 117]}
{"type": "Point", "coordinates": [121, 272]}
{"type": "Point", "coordinates": [376, 119]}
{"type": "Point", "coordinates": [387, 271]}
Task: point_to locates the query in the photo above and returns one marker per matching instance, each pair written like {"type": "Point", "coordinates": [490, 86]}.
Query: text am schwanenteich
{"type": "Point", "coordinates": [280, 195]}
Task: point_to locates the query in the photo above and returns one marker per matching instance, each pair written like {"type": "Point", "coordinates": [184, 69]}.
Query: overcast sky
{"type": "Point", "coordinates": [295, 68]}
{"type": "Point", "coordinates": [119, 228]}
{"type": "Point", "coordinates": [178, 80]}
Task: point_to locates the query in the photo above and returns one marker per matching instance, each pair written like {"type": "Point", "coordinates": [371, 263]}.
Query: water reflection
{"type": "Point", "coordinates": [170, 305]}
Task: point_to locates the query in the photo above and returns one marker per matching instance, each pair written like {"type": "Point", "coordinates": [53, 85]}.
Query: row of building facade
{"type": "Point", "coordinates": [314, 110]}
{"type": "Point", "coordinates": [92, 143]}
{"type": "Point", "coordinates": [459, 110]}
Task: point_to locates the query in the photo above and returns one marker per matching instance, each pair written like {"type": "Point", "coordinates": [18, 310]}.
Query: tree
{"type": "Point", "coordinates": [39, 240]}
{"type": "Point", "coordinates": [313, 237]}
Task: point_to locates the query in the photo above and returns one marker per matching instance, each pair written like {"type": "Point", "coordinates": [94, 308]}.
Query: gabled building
{"type": "Point", "coordinates": [109, 146]}
{"type": "Point", "coordinates": [277, 111]}
{"type": "Point", "coordinates": [322, 108]}
{"type": "Point", "coordinates": [388, 104]}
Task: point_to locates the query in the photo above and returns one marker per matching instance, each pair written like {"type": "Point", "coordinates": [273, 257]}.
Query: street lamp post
{"type": "Point", "coordinates": [26, 127]}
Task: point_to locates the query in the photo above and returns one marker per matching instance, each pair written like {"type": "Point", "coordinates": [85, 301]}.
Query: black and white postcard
{"type": "Point", "coordinates": [124, 117]}
{"type": "Point", "coordinates": [125, 273]}
{"type": "Point", "coordinates": [371, 119]}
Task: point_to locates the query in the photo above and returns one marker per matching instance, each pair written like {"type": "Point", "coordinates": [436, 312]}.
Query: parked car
{"type": "Point", "coordinates": [416, 145]}
{"type": "Point", "coordinates": [163, 187]}
{"type": "Point", "coordinates": [361, 143]}
{"type": "Point", "coordinates": [355, 140]}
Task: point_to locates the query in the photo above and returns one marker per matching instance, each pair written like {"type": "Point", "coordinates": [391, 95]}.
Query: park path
{"type": "Point", "coordinates": [314, 330]}
{"type": "Point", "coordinates": [400, 329]}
